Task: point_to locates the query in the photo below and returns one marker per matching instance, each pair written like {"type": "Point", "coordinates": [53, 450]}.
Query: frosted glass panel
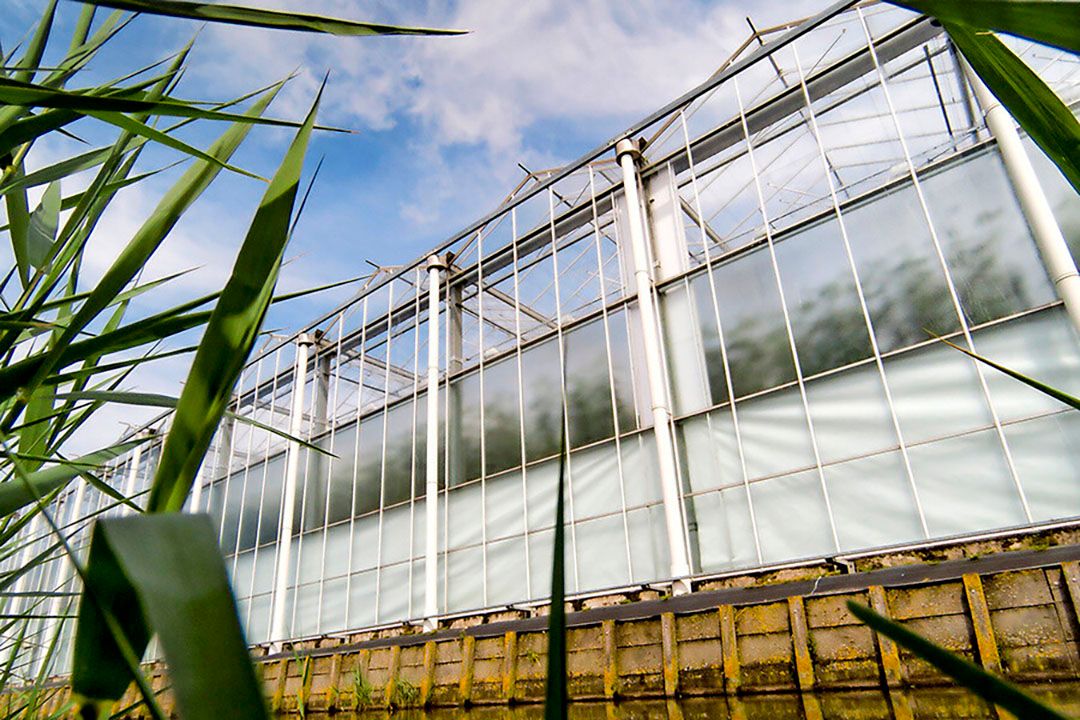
{"type": "Point", "coordinates": [258, 629]}
{"type": "Point", "coordinates": [641, 477]}
{"type": "Point", "coordinates": [648, 544]}
{"type": "Point", "coordinates": [873, 502]}
{"type": "Point", "coordinates": [774, 434]}
{"type": "Point", "coordinates": [362, 599]}
{"type": "Point", "coordinates": [964, 484]}
{"type": "Point", "coordinates": [711, 457]}
{"type": "Point", "coordinates": [1043, 346]}
{"type": "Point", "coordinates": [936, 392]}
{"type": "Point", "coordinates": [396, 534]}
{"type": "Point", "coordinates": [506, 571]}
{"type": "Point", "coordinates": [465, 579]}
{"type": "Point", "coordinates": [850, 414]}
{"type": "Point", "coordinates": [365, 542]}
{"type": "Point", "coordinates": [791, 517]}
{"type": "Point", "coordinates": [725, 534]}
{"type": "Point", "coordinates": [466, 515]}
{"type": "Point", "coordinates": [540, 546]}
{"type": "Point", "coordinates": [336, 560]}
{"type": "Point", "coordinates": [265, 562]}
{"type": "Point", "coordinates": [1047, 454]}
{"type": "Point", "coordinates": [595, 475]}
{"type": "Point", "coordinates": [542, 484]}
{"type": "Point", "coordinates": [601, 547]}
{"type": "Point", "coordinates": [504, 499]}
{"type": "Point", "coordinates": [311, 549]}
{"type": "Point", "coordinates": [394, 593]}
{"type": "Point", "coordinates": [306, 619]}
{"type": "Point", "coordinates": [242, 572]}
{"type": "Point", "coordinates": [334, 602]}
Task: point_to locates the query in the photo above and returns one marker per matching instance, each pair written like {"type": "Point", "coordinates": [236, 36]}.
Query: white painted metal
{"type": "Point", "coordinates": [278, 627]}
{"type": "Point", "coordinates": [435, 266]}
{"type": "Point", "coordinates": [627, 154]}
{"type": "Point", "coordinates": [1040, 217]}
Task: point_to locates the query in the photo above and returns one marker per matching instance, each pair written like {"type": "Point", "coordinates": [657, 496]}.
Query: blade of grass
{"type": "Point", "coordinates": [1070, 400]}
{"type": "Point", "coordinates": [131, 563]}
{"type": "Point", "coordinates": [16, 495]}
{"type": "Point", "coordinates": [556, 697]}
{"type": "Point", "coordinates": [256, 17]}
{"type": "Point", "coordinates": [149, 237]}
{"type": "Point", "coordinates": [1040, 112]}
{"type": "Point", "coordinates": [231, 332]}
{"type": "Point", "coordinates": [1051, 22]}
{"type": "Point", "coordinates": [989, 687]}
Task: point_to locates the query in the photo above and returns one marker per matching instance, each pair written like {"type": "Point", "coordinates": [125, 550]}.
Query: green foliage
{"type": "Point", "coordinates": [68, 349]}
{"type": "Point", "coordinates": [363, 691]}
{"type": "Point", "coordinates": [1042, 114]}
{"type": "Point", "coordinates": [405, 694]}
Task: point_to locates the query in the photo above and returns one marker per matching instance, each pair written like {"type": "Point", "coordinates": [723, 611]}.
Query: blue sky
{"type": "Point", "coordinates": [440, 123]}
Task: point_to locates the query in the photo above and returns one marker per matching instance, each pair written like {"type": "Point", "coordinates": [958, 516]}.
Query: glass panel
{"type": "Point", "coordinates": [464, 407]}
{"type": "Point", "coordinates": [506, 571]}
{"type": "Point", "coordinates": [362, 599]}
{"type": "Point", "coordinates": [588, 384]}
{"type": "Point", "coordinates": [270, 515]}
{"type": "Point", "coordinates": [365, 542]}
{"type": "Point", "coordinates": [466, 516]}
{"type": "Point", "coordinates": [900, 273]}
{"type": "Point", "coordinates": [400, 454]}
{"type": "Point", "coordinates": [595, 485]}
{"type": "Point", "coordinates": [369, 465]}
{"type": "Point", "coordinates": [465, 579]}
{"type": "Point", "coordinates": [1046, 453]}
{"type": "Point", "coordinates": [964, 484]}
{"type": "Point", "coordinates": [1042, 346]}
{"type": "Point", "coordinates": [757, 343]}
{"type": "Point", "coordinates": [341, 473]}
{"type": "Point", "coordinates": [640, 469]}
{"type": "Point", "coordinates": [850, 414]}
{"type": "Point", "coordinates": [543, 399]}
{"type": "Point", "coordinates": [395, 534]}
{"type": "Point", "coordinates": [710, 338]}
{"type": "Point", "coordinates": [394, 593]}
{"type": "Point", "coordinates": [648, 544]}
{"type": "Point", "coordinates": [822, 301]}
{"type": "Point", "coordinates": [935, 392]}
{"type": "Point", "coordinates": [774, 433]}
{"type": "Point", "coordinates": [231, 525]}
{"type": "Point", "coordinates": [502, 429]}
{"type": "Point", "coordinates": [622, 374]}
{"type": "Point", "coordinates": [504, 501]}
{"type": "Point", "coordinates": [991, 254]}
{"type": "Point", "coordinates": [313, 482]}
{"type": "Point", "coordinates": [1062, 196]}
{"type": "Point", "coordinates": [334, 603]}
{"type": "Point", "coordinates": [776, 502]}
{"type": "Point", "coordinates": [872, 502]}
{"type": "Point", "coordinates": [726, 537]}
{"type": "Point", "coordinates": [601, 547]}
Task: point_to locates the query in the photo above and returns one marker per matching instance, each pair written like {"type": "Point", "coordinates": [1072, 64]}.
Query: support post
{"type": "Point", "coordinates": [278, 629]}
{"type": "Point", "coordinates": [663, 429]}
{"type": "Point", "coordinates": [436, 265]}
{"type": "Point", "coordinates": [133, 470]}
{"type": "Point", "coordinates": [1040, 217]}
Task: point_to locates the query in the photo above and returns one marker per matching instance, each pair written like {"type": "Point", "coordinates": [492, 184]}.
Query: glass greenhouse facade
{"type": "Point", "coordinates": [740, 315]}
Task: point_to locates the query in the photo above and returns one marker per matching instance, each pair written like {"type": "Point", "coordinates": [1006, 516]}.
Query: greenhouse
{"type": "Point", "coordinates": [741, 304]}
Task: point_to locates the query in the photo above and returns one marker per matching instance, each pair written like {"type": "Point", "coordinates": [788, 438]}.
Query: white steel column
{"type": "Point", "coordinates": [435, 265]}
{"type": "Point", "coordinates": [627, 153]}
{"type": "Point", "coordinates": [278, 629]}
{"type": "Point", "coordinates": [1044, 227]}
{"type": "Point", "coordinates": [133, 472]}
